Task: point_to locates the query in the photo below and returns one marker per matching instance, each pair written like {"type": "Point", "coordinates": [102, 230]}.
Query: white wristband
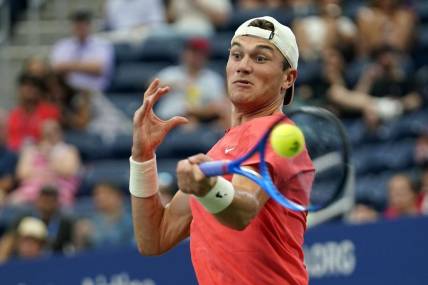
{"type": "Point", "coordinates": [143, 178]}
{"type": "Point", "coordinates": [219, 197]}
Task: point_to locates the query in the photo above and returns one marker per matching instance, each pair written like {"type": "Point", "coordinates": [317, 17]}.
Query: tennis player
{"type": "Point", "coordinates": [238, 235]}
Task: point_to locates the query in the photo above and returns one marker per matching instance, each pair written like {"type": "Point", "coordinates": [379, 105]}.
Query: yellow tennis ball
{"type": "Point", "coordinates": [287, 140]}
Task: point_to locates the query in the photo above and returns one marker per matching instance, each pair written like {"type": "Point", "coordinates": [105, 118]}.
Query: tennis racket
{"type": "Point", "coordinates": [328, 147]}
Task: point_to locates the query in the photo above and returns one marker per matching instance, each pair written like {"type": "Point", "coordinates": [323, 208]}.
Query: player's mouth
{"type": "Point", "coordinates": [242, 83]}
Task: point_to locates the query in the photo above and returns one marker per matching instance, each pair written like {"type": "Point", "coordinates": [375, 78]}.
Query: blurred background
{"type": "Point", "coordinates": [73, 72]}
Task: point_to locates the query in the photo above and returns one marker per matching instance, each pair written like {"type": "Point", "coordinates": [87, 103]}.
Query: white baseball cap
{"type": "Point", "coordinates": [32, 227]}
{"type": "Point", "coordinates": [282, 37]}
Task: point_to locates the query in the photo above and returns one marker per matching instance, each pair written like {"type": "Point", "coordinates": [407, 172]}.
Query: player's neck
{"type": "Point", "coordinates": [239, 117]}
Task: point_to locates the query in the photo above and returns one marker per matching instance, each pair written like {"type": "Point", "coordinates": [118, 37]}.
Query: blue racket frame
{"type": "Point", "coordinates": [218, 168]}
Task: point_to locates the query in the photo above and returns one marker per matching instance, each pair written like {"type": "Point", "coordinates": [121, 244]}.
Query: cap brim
{"type": "Point", "coordinates": [288, 98]}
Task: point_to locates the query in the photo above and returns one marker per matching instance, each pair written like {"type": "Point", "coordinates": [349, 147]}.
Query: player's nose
{"type": "Point", "coordinates": [244, 65]}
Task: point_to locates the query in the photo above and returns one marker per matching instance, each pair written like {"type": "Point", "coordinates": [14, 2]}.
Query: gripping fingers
{"type": "Point", "coordinates": [199, 158]}
{"type": "Point", "coordinates": [152, 99]}
{"type": "Point", "coordinates": [142, 110]}
{"type": "Point", "coordinates": [184, 176]}
{"type": "Point", "coordinates": [151, 96]}
{"type": "Point", "coordinates": [152, 87]}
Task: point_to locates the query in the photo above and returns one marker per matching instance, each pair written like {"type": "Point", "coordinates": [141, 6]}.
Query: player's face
{"type": "Point", "coordinates": [255, 75]}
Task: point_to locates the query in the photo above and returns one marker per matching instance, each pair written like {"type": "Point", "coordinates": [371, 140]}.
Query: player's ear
{"type": "Point", "coordinates": [288, 79]}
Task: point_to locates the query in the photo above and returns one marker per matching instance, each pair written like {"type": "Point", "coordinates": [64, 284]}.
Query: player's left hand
{"type": "Point", "coordinates": [190, 178]}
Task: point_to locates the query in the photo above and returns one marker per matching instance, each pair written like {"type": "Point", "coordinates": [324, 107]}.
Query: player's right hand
{"type": "Point", "coordinates": [148, 129]}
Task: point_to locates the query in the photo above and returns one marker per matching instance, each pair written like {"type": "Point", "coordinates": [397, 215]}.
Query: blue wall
{"type": "Point", "coordinates": [390, 252]}
{"type": "Point", "coordinates": [382, 253]}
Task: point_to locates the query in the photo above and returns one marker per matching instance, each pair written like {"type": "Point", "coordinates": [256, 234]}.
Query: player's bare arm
{"type": "Point", "coordinates": [157, 228]}
{"type": "Point", "coordinates": [91, 68]}
{"type": "Point", "coordinates": [248, 197]}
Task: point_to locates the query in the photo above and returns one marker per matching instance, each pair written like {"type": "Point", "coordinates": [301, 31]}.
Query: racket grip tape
{"type": "Point", "coordinates": [214, 168]}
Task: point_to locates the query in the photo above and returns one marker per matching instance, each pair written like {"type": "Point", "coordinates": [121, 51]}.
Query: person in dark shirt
{"type": "Point", "coordinates": [46, 208]}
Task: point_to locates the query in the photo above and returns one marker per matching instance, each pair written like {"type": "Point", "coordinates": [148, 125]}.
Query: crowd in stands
{"type": "Point", "coordinates": [64, 146]}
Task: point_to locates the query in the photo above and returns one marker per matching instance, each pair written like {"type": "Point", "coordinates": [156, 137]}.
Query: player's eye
{"type": "Point", "coordinates": [261, 58]}
{"type": "Point", "coordinates": [235, 55]}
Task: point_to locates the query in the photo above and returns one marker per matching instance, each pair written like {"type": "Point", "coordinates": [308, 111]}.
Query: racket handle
{"type": "Point", "coordinates": [214, 168]}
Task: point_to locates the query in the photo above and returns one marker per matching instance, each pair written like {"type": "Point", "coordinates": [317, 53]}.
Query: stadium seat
{"type": "Point", "coordinates": [220, 44]}
{"type": "Point", "coordinates": [375, 158]}
{"type": "Point", "coordinates": [162, 49]}
{"type": "Point", "coordinates": [127, 102]}
{"type": "Point", "coordinates": [183, 143]}
{"type": "Point", "coordinates": [116, 172]}
{"type": "Point", "coordinates": [151, 50]}
{"type": "Point", "coordinates": [239, 16]}
{"type": "Point", "coordinates": [218, 66]}
{"type": "Point", "coordinates": [410, 125]}
{"type": "Point", "coordinates": [309, 72]}
{"type": "Point", "coordinates": [112, 171]}
{"type": "Point", "coordinates": [9, 214]}
{"type": "Point", "coordinates": [355, 129]}
{"type": "Point", "coordinates": [351, 8]}
{"type": "Point", "coordinates": [373, 187]}
{"type": "Point", "coordinates": [127, 52]}
{"type": "Point", "coordinates": [134, 76]}
{"type": "Point", "coordinates": [84, 206]}
{"type": "Point", "coordinates": [421, 9]}
{"type": "Point", "coordinates": [420, 55]}
{"type": "Point", "coordinates": [90, 146]}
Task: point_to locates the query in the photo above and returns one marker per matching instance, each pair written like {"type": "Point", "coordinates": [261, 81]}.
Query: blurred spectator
{"type": "Point", "coordinates": [25, 120]}
{"type": "Point", "coordinates": [32, 236]}
{"type": "Point", "coordinates": [329, 29]}
{"type": "Point", "coordinates": [47, 209]}
{"type": "Point", "coordinates": [301, 8]}
{"type": "Point", "coordinates": [423, 204]}
{"type": "Point", "coordinates": [50, 162]}
{"type": "Point", "coordinates": [421, 149]}
{"type": "Point", "coordinates": [258, 4]}
{"type": "Point", "coordinates": [109, 225]}
{"type": "Point", "coordinates": [385, 22]}
{"type": "Point", "coordinates": [132, 21]}
{"type": "Point", "coordinates": [59, 225]}
{"type": "Point", "coordinates": [106, 120]}
{"type": "Point", "coordinates": [82, 110]}
{"type": "Point", "coordinates": [402, 198]}
{"type": "Point", "coordinates": [196, 91]}
{"type": "Point", "coordinates": [383, 92]}
{"type": "Point", "coordinates": [75, 105]}
{"type": "Point", "coordinates": [29, 241]}
{"type": "Point", "coordinates": [198, 16]}
{"type": "Point", "coordinates": [85, 60]}
{"type": "Point", "coordinates": [37, 67]}
{"type": "Point", "coordinates": [125, 15]}
{"type": "Point", "coordinates": [364, 211]}
{"type": "Point", "coordinates": [8, 161]}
